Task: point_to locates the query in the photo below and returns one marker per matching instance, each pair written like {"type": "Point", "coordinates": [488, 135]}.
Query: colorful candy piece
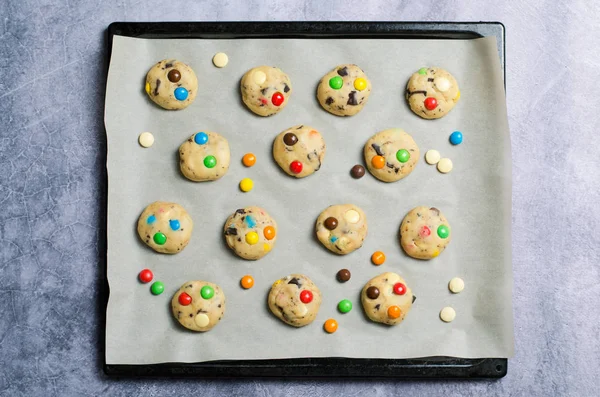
{"type": "Point", "coordinates": [207, 292]}
{"type": "Point", "coordinates": [456, 138]}
{"type": "Point", "coordinates": [181, 94]}
{"type": "Point", "coordinates": [306, 296]}
{"type": "Point", "coordinates": [174, 76]}
{"type": "Point", "coordinates": [159, 238]}
{"type": "Point", "coordinates": [330, 223]}
{"type": "Point", "coordinates": [394, 311]}
{"type": "Point", "coordinates": [373, 292]}
{"type": "Point", "coordinates": [378, 258]}
{"type": "Point", "coordinates": [360, 84]}
{"type": "Point", "coordinates": [277, 98]}
{"type": "Point", "coordinates": [378, 162]}
{"type": "Point", "coordinates": [151, 219]}
{"type": "Point", "coordinates": [430, 103]}
{"type": "Point", "coordinates": [330, 326]}
{"type": "Point", "coordinates": [184, 299]}
{"type": "Point", "coordinates": [250, 221]}
{"type": "Point", "coordinates": [443, 231]}
{"type": "Point", "coordinates": [247, 281]}
{"type": "Point", "coordinates": [174, 223]}
{"type": "Point", "coordinates": [344, 306]}
{"type": "Point", "coordinates": [146, 276]}
{"type": "Point", "coordinates": [246, 185]}
{"type": "Point", "coordinates": [399, 289]}
{"type": "Point", "coordinates": [157, 288]}
{"type": "Point", "coordinates": [252, 238]}
{"type": "Point", "coordinates": [336, 82]}
{"type": "Point", "coordinates": [249, 159]}
{"type": "Point", "coordinates": [296, 167]}
{"type": "Point", "coordinates": [201, 138]}
{"type": "Point", "coordinates": [425, 232]}
{"type": "Point", "coordinates": [358, 171]}
{"type": "Point", "coordinates": [402, 155]}
{"type": "Point", "coordinates": [210, 161]}
{"type": "Point", "coordinates": [290, 139]}
{"type": "Point", "coordinates": [343, 275]}
{"type": "Point", "coordinates": [423, 71]}
{"type": "Point", "coordinates": [269, 232]}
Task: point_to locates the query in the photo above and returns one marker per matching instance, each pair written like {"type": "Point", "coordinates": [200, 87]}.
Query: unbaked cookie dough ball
{"type": "Point", "coordinates": [198, 305]}
{"type": "Point", "coordinates": [424, 233]}
{"type": "Point", "coordinates": [165, 227]}
{"type": "Point", "coordinates": [250, 232]}
{"type": "Point", "coordinates": [204, 157]}
{"type": "Point", "coordinates": [342, 228]}
{"type": "Point", "coordinates": [295, 300]}
{"type": "Point", "coordinates": [344, 91]}
{"type": "Point", "coordinates": [391, 155]}
{"type": "Point", "coordinates": [171, 84]}
{"type": "Point", "coordinates": [387, 298]}
{"type": "Point", "coordinates": [432, 92]}
{"type": "Point", "coordinates": [299, 150]}
{"type": "Point", "coordinates": [266, 90]}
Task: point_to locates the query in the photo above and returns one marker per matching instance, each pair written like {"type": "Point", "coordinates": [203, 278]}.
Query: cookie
{"type": "Point", "coordinates": [299, 150]}
{"type": "Point", "coordinates": [344, 91]}
{"type": "Point", "coordinates": [424, 233]}
{"type": "Point", "coordinates": [391, 155]}
{"type": "Point", "coordinates": [204, 157]}
{"type": "Point", "coordinates": [342, 228]}
{"type": "Point", "coordinates": [165, 227]}
{"type": "Point", "coordinates": [171, 84]}
{"type": "Point", "coordinates": [250, 232]}
{"type": "Point", "coordinates": [266, 90]}
{"type": "Point", "coordinates": [432, 92]}
{"type": "Point", "coordinates": [198, 305]}
{"type": "Point", "coordinates": [295, 300]}
{"type": "Point", "coordinates": [387, 298]}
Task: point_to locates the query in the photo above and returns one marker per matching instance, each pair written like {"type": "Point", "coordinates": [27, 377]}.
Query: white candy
{"type": "Point", "coordinates": [447, 314]}
{"type": "Point", "coordinates": [442, 84]}
{"type": "Point", "coordinates": [201, 320]}
{"type": "Point", "coordinates": [444, 165]}
{"type": "Point", "coordinates": [146, 139]}
{"type": "Point", "coordinates": [259, 77]}
{"type": "Point", "coordinates": [352, 216]}
{"type": "Point", "coordinates": [432, 156]}
{"type": "Point", "coordinates": [220, 59]}
{"type": "Point", "coordinates": [456, 285]}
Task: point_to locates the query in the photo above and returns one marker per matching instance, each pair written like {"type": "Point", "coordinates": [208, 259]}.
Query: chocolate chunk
{"type": "Point", "coordinates": [343, 275]}
{"type": "Point", "coordinates": [430, 80]}
{"type": "Point", "coordinates": [414, 299]}
{"type": "Point", "coordinates": [373, 292]}
{"type": "Point", "coordinates": [219, 305]}
{"type": "Point", "coordinates": [433, 209]}
{"type": "Point", "coordinates": [239, 239]}
{"type": "Point", "coordinates": [286, 88]}
{"type": "Point", "coordinates": [168, 65]}
{"type": "Point", "coordinates": [389, 165]}
{"type": "Point", "coordinates": [377, 149]}
{"type": "Point", "coordinates": [330, 223]}
{"type": "Point", "coordinates": [290, 139]}
{"type": "Point", "coordinates": [329, 100]}
{"type": "Point", "coordinates": [416, 92]}
{"type": "Point", "coordinates": [174, 76]}
{"type": "Point", "coordinates": [377, 306]}
{"type": "Point", "coordinates": [231, 231]}
{"type": "Point", "coordinates": [264, 91]}
{"type": "Point", "coordinates": [352, 98]}
{"type": "Point", "coordinates": [343, 71]}
{"type": "Point", "coordinates": [358, 171]}
{"type": "Point", "coordinates": [240, 211]}
{"type": "Point", "coordinates": [296, 282]}
{"type": "Point", "coordinates": [156, 88]}
{"type": "Point", "coordinates": [191, 314]}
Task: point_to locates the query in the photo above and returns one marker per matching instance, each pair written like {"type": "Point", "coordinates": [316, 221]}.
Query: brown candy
{"type": "Point", "coordinates": [343, 275]}
{"type": "Point", "coordinates": [290, 139]}
{"type": "Point", "coordinates": [174, 76]}
{"type": "Point", "coordinates": [358, 171]}
{"type": "Point", "coordinates": [372, 292]}
{"type": "Point", "coordinates": [330, 223]}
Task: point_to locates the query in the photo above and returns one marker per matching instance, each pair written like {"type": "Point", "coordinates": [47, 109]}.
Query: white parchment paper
{"type": "Point", "coordinates": [475, 197]}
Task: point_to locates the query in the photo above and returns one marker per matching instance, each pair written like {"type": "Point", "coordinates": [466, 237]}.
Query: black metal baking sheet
{"type": "Point", "coordinates": [427, 367]}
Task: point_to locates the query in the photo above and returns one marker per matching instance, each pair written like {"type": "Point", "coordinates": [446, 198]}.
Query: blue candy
{"type": "Point", "coordinates": [201, 138]}
{"type": "Point", "coordinates": [456, 138]}
{"type": "Point", "coordinates": [151, 219]}
{"type": "Point", "coordinates": [250, 221]}
{"type": "Point", "coordinates": [174, 223]}
{"type": "Point", "coordinates": [333, 239]}
{"type": "Point", "coordinates": [181, 94]}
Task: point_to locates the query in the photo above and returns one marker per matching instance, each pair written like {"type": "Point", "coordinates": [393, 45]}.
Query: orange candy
{"type": "Point", "coordinates": [331, 326]}
{"type": "Point", "coordinates": [269, 232]}
{"type": "Point", "coordinates": [378, 162]}
{"type": "Point", "coordinates": [378, 258]}
{"type": "Point", "coordinates": [249, 159]}
{"type": "Point", "coordinates": [247, 281]}
{"type": "Point", "coordinates": [394, 312]}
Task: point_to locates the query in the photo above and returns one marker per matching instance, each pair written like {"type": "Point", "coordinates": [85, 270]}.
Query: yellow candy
{"type": "Point", "coordinates": [246, 184]}
{"type": "Point", "coordinates": [266, 247]}
{"type": "Point", "coordinates": [252, 238]}
{"type": "Point", "coordinates": [148, 88]}
{"type": "Point", "coordinates": [435, 253]}
{"type": "Point", "coordinates": [457, 96]}
{"type": "Point", "coordinates": [360, 84]}
{"type": "Point", "coordinates": [276, 283]}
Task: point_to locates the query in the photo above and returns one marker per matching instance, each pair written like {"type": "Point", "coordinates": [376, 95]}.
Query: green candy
{"type": "Point", "coordinates": [423, 71]}
{"type": "Point", "coordinates": [207, 292]}
{"type": "Point", "coordinates": [443, 231]}
{"type": "Point", "coordinates": [403, 155]}
{"type": "Point", "coordinates": [345, 306]}
{"type": "Point", "coordinates": [210, 161]}
{"type": "Point", "coordinates": [160, 238]}
{"type": "Point", "coordinates": [157, 288]}
{"type": "Point", "coordinates": [336, 82]}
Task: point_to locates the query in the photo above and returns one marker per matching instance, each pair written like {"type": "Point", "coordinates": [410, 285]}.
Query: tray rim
{"type": "Point", "coordinates": [322, 367]}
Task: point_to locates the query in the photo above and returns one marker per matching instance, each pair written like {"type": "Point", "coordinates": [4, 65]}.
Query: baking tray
{"type": "Point", "coordinates": [334, 367]}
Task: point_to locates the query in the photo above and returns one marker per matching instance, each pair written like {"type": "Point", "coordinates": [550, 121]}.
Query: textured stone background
{"type": "Point", "coordinates": [52, 187]}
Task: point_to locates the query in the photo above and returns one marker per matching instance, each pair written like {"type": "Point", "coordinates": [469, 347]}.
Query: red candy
{"type": "Point", "coordinates": [430, 103]}
{"type": "Point", "coordinates": [146, 276]}
{"type": "Point", "coordinates": [399, 289]}
{"type": "Point", "coordinates": [296, 167]}
{"type": "Point", "coordinates": [264, 101]}
{"type": "Point", "coordinates": [185, 299]}
{"type": "Point", "coordinates": [306, 296]}
{"type": "Point", "coordinates": [425, 231]}
{"type": "Point", "coordinates": [277, 98]}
